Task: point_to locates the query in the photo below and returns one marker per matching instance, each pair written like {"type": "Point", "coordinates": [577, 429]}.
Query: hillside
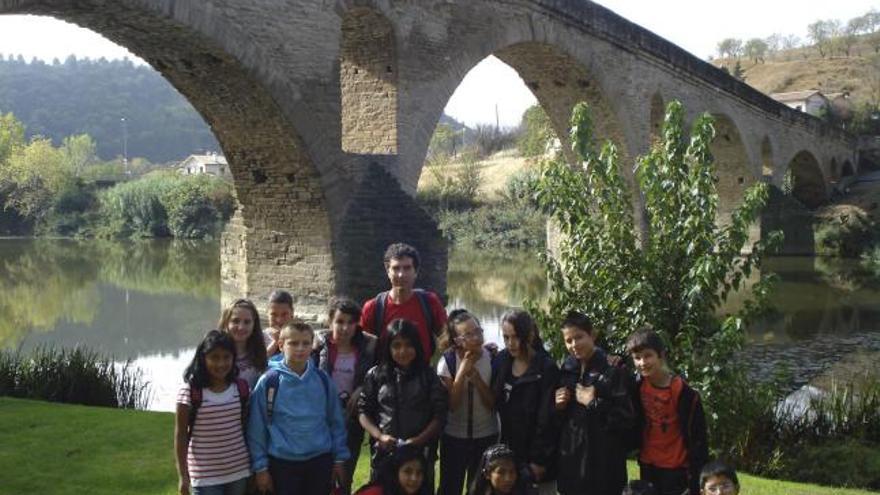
{"type": "Point", "coordinates": [804, 68]}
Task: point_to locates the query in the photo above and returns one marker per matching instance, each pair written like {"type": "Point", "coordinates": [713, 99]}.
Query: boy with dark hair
{"type": "Point", "coordinates": [404, 300]}
{"type": "Point", "coordinates": [672, 427]}
{"type": "Point", "coordinates": [718, 478]}
{"type": "Point", "coordinates": [595, 412]}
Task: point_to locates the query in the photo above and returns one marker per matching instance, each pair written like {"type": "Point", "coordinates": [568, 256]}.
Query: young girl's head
{"type": "Point", "coordinates": [498, 472]}
{"type": "Point", "coordinates": [718, 478]}
{"type": "Point", "coordinates": [343, 317]}
{"type": "Point", "coordinates": [578, 335]}
{"type": "Point", "coordinates": [463, 332]}
{"type": "Point", "coordinates": [242, 322]}
{"type": "Point", "coordinates": [295, 341]}
{"type": "Point", "coordinates": [402, 347]}
{"type": "Point", "coordinates": [404, 472]}
{"type": "Point", "coordinates": [213, 362]}
{"type": "Point", "coordinates": [520, 333]}
{"type": "Point", "coordinates": [280, 308]}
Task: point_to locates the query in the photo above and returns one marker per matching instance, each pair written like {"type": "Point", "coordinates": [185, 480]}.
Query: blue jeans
{"type": "Point", "coordinates": [231, 488]}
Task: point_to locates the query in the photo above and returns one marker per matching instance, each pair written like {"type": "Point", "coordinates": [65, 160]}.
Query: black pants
{"type": "Point", "coordinates": [309, 477]}
{"type": "Point", "coordinates": [666, 481]}
{"type": "Point", "coordinates": [460, 457]}
{"type": "Point", "coordinates": [355, 441]}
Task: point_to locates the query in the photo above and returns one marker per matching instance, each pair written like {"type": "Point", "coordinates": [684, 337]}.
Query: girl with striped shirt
{"type": "Point", "coordinates": [212, 456]}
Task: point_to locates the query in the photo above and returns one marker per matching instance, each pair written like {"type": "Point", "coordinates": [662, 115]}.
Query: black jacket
{"type": "Point", "coordinates": [692, 421]}
{"type": "Point", "coordinates": [402, 403]}
{"type": "Point", "coordinates": [526, 410]}
{"type": "Point", "coordinates": [592, 441]}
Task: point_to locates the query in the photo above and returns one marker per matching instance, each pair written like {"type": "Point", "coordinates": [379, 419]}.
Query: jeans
{"type": "Point", "coordinates": [231, 488]}
{"type": "Point", "coordinates": [309, 477]}
{"type": "Point", "coordinates": [460, 457]}
{"type": "Point", "coordinates": [666, 481]}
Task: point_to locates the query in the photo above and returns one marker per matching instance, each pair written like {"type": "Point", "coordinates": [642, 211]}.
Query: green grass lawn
{"type": "Point", "coordinates": [48, 448]}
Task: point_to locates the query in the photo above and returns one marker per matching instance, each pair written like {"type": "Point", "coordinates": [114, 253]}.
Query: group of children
{"type": "Point", "coordinates": [291, 407]}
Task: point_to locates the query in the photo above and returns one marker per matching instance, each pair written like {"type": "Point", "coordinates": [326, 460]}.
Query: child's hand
{"type": "Point", "coordinates": [387, 442]}
{"type": "Point", "coordinates": [563, 395]}
{"type": "Point", "coordinates": [585, 395]}
{"type": "Point", "coordinates": [274, 333]}
{"type": "Point", "coordinates": [467, 364]}
{"type": "Point", "coordinates": [264, 481]}
{"type": "Point", "coordinates": [337, 476]}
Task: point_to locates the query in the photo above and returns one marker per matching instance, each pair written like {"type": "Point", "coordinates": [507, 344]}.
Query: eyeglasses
{"type": "Point", "coordinates": [726, 487]}
{"type": "Point", "coordinates": [469, 336]}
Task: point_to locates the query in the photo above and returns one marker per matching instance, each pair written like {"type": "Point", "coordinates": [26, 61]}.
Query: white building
{"type": "Point", "coordinates": [212, 164]}
{"type": "Point", "coordinates": [811, 101]}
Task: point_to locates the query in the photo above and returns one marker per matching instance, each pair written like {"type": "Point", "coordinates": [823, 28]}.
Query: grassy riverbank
{"type": "Point", "coordinates": [63, 449]}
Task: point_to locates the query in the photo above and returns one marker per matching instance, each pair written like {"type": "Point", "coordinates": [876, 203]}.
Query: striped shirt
{"type": "Point", "coordinates": [217, 452]}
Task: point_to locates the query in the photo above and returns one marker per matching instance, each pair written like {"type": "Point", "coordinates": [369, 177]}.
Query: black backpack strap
{"type": "Point", "coordinates": [451, 359]}
{"type": "Point", "coordinates": [244, 393]}
{"type": "Point", "coordinates": [379, 313]}
{"type": "Point", "coordinates": [425, 303]}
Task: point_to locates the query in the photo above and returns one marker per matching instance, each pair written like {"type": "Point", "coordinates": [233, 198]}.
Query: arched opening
{"type": "Point", "coordinates": [767, 159]}
{"type": "Point", "coordinates": [368, 83]}
{"type": "Point", "coordinates": [835, 170]}
{"type": "Point", "coordinates": [658, 113]}
{"type": "Point", "coordinates": [732, 167]}
{"type": "Point", "coordinates": [807, 182]}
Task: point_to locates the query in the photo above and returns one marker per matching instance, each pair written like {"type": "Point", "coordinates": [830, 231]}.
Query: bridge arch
{"type": "Point", "coordinates": [846, 170]}
{"type": "Point", "coordinates": [807, 181]}
{"type": "Point", "coordinates": [268, 160]}
{"type": "Point", "coordinates": [732, 166]}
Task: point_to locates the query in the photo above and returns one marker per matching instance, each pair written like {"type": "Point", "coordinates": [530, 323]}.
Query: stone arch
{"type": "Point", "coordinates": [658, 114]}
{"type": "Point", "coordinates": [368, 83]}
{"type": "Point", "coordinates": [732, 166]}
{"type": "Point", "coordinates": [767, 158]}
{"type": "Point", "coordinates": [807, 181]}
{"type": "Point", "coordinates": [846, 170]}
{"type": "Point", "coordinates": [559, 81]}
{"type": "Point", "coordinates": [264, 246]}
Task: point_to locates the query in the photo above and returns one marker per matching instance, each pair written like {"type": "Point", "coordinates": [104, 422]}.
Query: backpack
{"type": "Point", "coordinates": [195, 400]}
{"type": "Point", "coordinates": [422, 296]}
{"type": "Point", "coordinates": [273, 378]}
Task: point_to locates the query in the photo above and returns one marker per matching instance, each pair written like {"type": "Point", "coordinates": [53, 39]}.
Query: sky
{"type": "Point", "coordinates": [695, 25]}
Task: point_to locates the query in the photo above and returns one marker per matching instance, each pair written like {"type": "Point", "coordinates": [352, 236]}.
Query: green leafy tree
{"type": "Point", "coordinates": [36, 174]}
{"type": "Point", "coordinates": [536, 132]}
{"type": "Point", "coordinates": [11, 136]}
{"type": "Point", "coordinates": [681, 271]}
{"type": "Point", "coordinates": [79, 152]}
{"type": "Point", "coordinates": [756, 49]}
{"type": "Point", "coordinates": [729, 48]}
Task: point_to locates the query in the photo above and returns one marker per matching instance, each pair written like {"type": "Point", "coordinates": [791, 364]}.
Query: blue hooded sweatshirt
{"type": "Point", "coordinates": [307, 419]}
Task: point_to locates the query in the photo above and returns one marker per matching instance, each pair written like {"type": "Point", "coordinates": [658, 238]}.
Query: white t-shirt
{"type": "Point", "coordinates": [343, 372]}
{"type": "Point", "coordinates": [217, 453]}
{"type": "Point", "coordinates": [483, 420]}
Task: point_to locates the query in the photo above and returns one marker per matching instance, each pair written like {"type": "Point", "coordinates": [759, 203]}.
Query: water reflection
{"type": "Point", "coordinates": [125, 299]}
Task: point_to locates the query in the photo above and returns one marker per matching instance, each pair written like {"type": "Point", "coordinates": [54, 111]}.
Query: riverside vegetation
{"type": "Point", "coordinates": [676, 279]}
{"type": "Point", "coordinates": [59, 191]}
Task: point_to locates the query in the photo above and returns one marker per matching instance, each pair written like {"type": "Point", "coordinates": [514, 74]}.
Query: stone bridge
{"type": "Point", "coordinates": [324, 109]}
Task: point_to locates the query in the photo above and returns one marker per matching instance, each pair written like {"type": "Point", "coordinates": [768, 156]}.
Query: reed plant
{"type": "Point", "coordinates": [75, 376]}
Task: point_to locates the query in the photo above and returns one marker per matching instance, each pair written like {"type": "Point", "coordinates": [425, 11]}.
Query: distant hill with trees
{"type": "Point", "coordinates": [83, 96]}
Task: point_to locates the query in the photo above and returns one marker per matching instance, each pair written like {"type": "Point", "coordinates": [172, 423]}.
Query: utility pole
{"type": "Point", "coordinates": [124, 145]}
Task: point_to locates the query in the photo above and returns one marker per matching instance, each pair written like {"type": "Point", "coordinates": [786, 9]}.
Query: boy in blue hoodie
{"type": "Point", "coordinates": [296, 431]}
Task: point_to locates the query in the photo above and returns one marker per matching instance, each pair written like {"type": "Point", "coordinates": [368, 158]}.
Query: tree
{"type": "Point", "coordinates": [756, 49]}
{"type": "Point", "coordinates": [443, 142]}
{"type": "Point", "coordinates": [536, 132]}
{"type": "Point", "coordinates": [729, 48]}
{"type": "Point", "coordinates": [11, 136]}
{"type": "Point", "coordinates": [36, 174]}
{"type": "Point", "coordinates": [683, 269]}
{"type": "Point", "coordinates": [820, 35]}
{"type": "Point", "coordinates": [738, 71]}
{"type": "Point", "coordinates": [79, 152]}
{"type": "Point", "coordinates": [790, 42]}
{"type": "Point", "coordinates": [774, 44]}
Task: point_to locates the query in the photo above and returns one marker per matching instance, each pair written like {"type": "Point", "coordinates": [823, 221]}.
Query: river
{"type": "Point", "coordinates": [150, 301]}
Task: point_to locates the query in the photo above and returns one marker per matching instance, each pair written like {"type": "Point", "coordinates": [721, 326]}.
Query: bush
{"type": "Point", "coordinates": [845, 235]}
{"type": "Point", "coordinates": [488, 139]}
{"type": "Point", "coordinates": [536, 132]}
{"type": "Point", "coordinates": [163, 204]}
{"type": "Point", "coordinates": [74, 376]}
{"type": "Point", "coordinates": [494, 226]}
